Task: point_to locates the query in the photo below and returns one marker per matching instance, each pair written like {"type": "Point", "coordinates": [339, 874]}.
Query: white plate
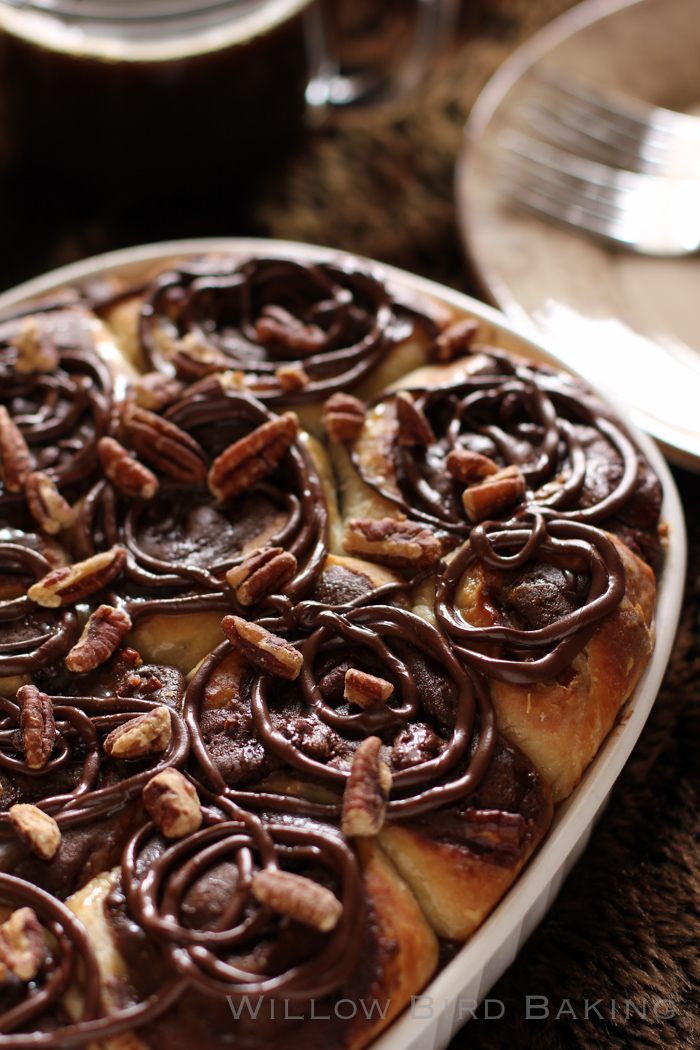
{"type": "Point", "coordinates": [628, 323]}
{"type": "Point", "coordinates": [445, 1004]}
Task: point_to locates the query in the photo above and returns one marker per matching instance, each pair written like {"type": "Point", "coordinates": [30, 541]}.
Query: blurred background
{"type": "Point", "coordinates": [120, 126]}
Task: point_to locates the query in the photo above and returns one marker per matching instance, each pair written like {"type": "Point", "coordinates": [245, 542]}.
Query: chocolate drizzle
{"type": "Point", "coordinates": [334, 321]}
{"type": "Point", "coordinates": [430, 783]}
{"type": "Point", "coordinates": [236, 836]}
{"type": "Point", "coordinates": [292, 495]}
{"type": "Point", "coordinates": [63, 413]}
{"type": "Point", "coordinates": [574, 459]}
{"type": "Point", "coordinates": [560, 641]}
{"type": "Point", "coordinates": [81, 723]}
{"type": "Point", "coordinates": [71, 949]}
{"type": "Point", "coordinates": [32, 637]}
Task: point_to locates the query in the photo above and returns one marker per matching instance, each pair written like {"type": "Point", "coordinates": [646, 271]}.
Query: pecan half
{"type": "Point", "coordinates": [48, 508]}
{"type": "Point", "coordinates": [366, 791]}
{"type": "Point", "coordinates": [36, 829]}
{"type": "Point", "coordinates": [455, 339]}
{"type": "Point", "coordinates": [343, 417]}
{"type": "Point", "coordinates": [391, 541]}
{"type": "Point", "coordinates": [172, 803]}
{"type": "Point", "coordinates": [144, 735]}
{"type": "Point", "coordinates": [467, 466]}
{"type": "Point", "coordinates": [494, 494]}
{"type": "Point", "coordinates": [291, 377]}
{"type": "Point", "coordinates": [155, 391]}
{"type": "Point", "coordinates": [277, 325]}
{"type": "Point", "coordinates": [15, 464]}
{"type": "Point", "coordinates": [298, 898]}
{"type": "Point", "coordinates": [22, 944]}
{"type": "Point", "coordinates": [124, 471]}
{"type": "Point", "coordinates": [262, 573]}
{"type": "Point", "coordinates": [165, 446]}
{"type": "Point", "coordinates": [73, 583]}
{"type": "Point", "coordinates": [101, 636]}
{"type": "Point", "coordinates": [36, 352]}
{"type": "Point", "coordinates": [414, 428]}
{"type": "Point", "coordinates": [37, 726]}
{"type": "Point", "coordinates": [253, 457]}
{"type": "Point", "coordinates": [364, 689]}
{"type": "Point", "coordinates": [264, 649]}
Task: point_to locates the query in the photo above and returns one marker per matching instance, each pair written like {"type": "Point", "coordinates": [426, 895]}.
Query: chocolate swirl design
{"type": "Point", "coordinates": [81, 724]}
{"type": "Point", "coordinates": [186, 573]}
{"type": "Point", "coordinates": [62, 413]}
{"type": "Point", "coordinates": [555, 540]}
{"type": "Point", "coordinates": [401, 643]}
{"type": "Point", "coordinates": [207, 958]}
{"type": "Point", "coordinates": [70, 950]}
{"type": "Point", "coordinates": [335, 321]}
{"type": "Point", "coordinates": [574, 459]}
{"type": "Point", "coordinates": [32, 637]}
{"type": "Point", "coordinates": [73, 956]}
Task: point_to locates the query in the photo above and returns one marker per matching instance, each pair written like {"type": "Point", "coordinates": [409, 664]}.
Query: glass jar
{"type": "Point", "coordinates": [123, 106]}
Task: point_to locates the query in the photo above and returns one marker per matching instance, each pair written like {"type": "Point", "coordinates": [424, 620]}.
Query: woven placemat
{"type": "Point", "coordinates": [616, 962]}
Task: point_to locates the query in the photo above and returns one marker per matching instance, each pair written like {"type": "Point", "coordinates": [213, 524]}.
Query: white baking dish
{"type": "Point", "coordinates": [448, 1000]}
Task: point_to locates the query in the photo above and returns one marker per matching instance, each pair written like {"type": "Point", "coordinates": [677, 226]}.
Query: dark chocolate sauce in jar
{"type": "Point", "coordinates": [119, 107]}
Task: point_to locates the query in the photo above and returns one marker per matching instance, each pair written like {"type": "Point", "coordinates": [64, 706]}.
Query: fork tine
{"type": "Point", "coordinates": [610, 129]}
{"type": "Point", "coordinates": [562, 213]}
{"type": "Point", "coordinates": [573, 192]}
{"type": "Point", "coordinates": [550, 159]}
{"type": "Point", "coordinates": [549, 200]}
{"type": "Point", "coordinates": [578, 130]}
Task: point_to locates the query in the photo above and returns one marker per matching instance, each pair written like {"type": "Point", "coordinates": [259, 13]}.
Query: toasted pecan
{"type": "Point", "coordinates": [364, 689]}
{"type": "Point", "coordinates": [494, 494]}
{"type": "Point", "coordinates": [264, 649]}
{"type": "Point", "coordinates": [366, 791]}
{"type": "Point", "coordinates": [394, 542]}
{"type": "Point", "coordinates": [165, 446]}
{"type": "Point", "coordinates": [144, 735]}
{"type": "Point", "coordinates": [298, 898]}
{"type": "Point", "coordinates": [253, 457]}
{"type": "Point", "coordinates": [155, 391]}
{"type": "Point", "coordinates": [73, 583]}
{"type": "Point", "coordinates": [124, 470]}
{"type": "Point", "coordinates": [15, 462]}
{"type": "Point", "coordinates": [467, 466]}
{"type": "Point", "coordinates": [48, 507]}
{"type": "Point", "coordinates": [172, 803]}
{"type": "Point", "coordinates": [22, 944]}
{"type": "Point", "coordinates": [413, 427]}
{"type": "Point", "coordinates": [36, 350]}
{"type": "Point", "coordinates": [101, 636]}
{"type": "Point", "coordinates": [343, 417]}
{"type": "Point", "coordinates": [36, 829]}
{"type": "Point", "coordinates": [37, 725]}
{"type": "Point", "coordinates": [277, 325]}
{"type": "Point", "coordinates": [262, 573]}
{"type": "Point", "coordinates": [455, 339]}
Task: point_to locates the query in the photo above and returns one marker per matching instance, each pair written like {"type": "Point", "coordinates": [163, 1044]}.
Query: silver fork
{"type": "Point", "coordinates": [648, 214]}
{"type": "Point", "coordinates": [614, 129]}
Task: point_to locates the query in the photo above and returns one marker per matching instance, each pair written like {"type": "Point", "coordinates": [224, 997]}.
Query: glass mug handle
{"type": "Point", "coordinates": [329, 86]}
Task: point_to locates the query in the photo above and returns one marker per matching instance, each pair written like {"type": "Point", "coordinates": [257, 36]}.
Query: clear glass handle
{"type": "Point", "coordinates": [335, 82]}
